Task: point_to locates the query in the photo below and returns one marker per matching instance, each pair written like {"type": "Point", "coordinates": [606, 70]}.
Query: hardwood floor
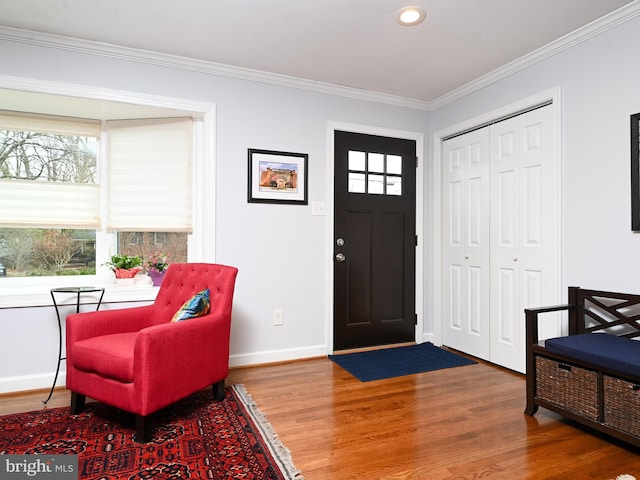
{"type": "Point", "coordinates": [457, 424]}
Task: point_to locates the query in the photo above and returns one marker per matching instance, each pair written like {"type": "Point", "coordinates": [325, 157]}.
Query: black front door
{"type": "Point", "coordinates": [374, 241]}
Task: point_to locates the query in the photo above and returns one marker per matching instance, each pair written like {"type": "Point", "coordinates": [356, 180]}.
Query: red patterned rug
{"type": "Point", "coordinates": [195, 438]}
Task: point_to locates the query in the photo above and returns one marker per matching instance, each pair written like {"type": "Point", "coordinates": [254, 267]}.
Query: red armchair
{"type": "Point", "coordinates": [138, 360]}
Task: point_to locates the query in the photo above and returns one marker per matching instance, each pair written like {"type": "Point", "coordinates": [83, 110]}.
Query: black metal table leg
{"type": "Point", "coordinates": [78, 291]}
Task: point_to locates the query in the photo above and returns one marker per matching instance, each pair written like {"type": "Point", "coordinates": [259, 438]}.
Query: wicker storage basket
{"type": "Point", "coordinates": [567, 386]}
{"type": "Point", "coordinates": [622, 405]}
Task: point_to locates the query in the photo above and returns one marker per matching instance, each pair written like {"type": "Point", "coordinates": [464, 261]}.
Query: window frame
{"type": "Point", "coordinates": [203, 175]}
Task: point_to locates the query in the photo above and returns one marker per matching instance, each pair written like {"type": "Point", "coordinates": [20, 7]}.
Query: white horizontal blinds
{"type": "Point", "coordinates": [25, 203]}
{"type": "Point", "coordinates": [30, 122]}
{"type": "Point", "coordinates": [150, 175]}
{"type": "Point", "coordinates": [48, 204]}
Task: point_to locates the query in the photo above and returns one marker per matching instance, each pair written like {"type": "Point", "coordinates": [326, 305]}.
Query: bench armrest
{"type": "Point", "coordinates": [531, 320]}
{"type": "Point", "coordinates": [553, 308]}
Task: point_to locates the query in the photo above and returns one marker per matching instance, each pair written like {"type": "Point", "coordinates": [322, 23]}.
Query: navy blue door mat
{"type": "Point", "coordinates": [399, 361]}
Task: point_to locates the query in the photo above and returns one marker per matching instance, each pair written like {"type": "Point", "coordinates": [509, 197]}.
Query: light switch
{"type": "Point", "coordinates": [317, 208]}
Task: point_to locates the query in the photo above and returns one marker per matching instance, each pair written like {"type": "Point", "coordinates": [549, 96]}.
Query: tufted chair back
{"type": "Point", "coordinates": [183, 280]}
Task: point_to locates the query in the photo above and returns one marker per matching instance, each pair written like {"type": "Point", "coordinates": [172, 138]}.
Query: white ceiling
{"type": "Point", "coordinates": [353, 43]}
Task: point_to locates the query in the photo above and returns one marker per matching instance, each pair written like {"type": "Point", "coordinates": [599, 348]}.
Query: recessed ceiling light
{"type": "Point", "coordinates": [410, 16]}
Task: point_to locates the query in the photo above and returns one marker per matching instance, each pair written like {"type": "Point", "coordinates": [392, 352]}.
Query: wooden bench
{"type": "Point", "coordinates": [591, 376]}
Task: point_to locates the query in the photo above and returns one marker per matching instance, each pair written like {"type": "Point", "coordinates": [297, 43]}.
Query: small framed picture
{"type": "Point", "coordinates": [277, 177]}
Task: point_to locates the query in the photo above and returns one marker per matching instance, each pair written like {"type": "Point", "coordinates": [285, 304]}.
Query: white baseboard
{"type": "Point", "coordinates": [429, 337]}
{"type": "Point", "coordinates": [274, 356]}
{"type": "Point", "coordinates": [30, 382]}
{"type": "Point", "coordinates": [41, 381]}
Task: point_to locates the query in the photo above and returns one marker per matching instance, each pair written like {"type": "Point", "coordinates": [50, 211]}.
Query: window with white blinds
{"type": "Point", "coordinates": [37, 204]}
{"type": "Point", "coordinates": [35, 189]}
{"type": "Point", "coordinates": [150, 175]}
{"type": "Point", "coordinates": [73, 189]}
{"type": "Point", "coordinates": [148, 184]}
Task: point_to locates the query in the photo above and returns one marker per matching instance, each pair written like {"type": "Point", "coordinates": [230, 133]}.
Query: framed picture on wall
{"type": "Point", "coordinates": [635, 172]}
{"type": "Point", "coordinates": [277, 177]}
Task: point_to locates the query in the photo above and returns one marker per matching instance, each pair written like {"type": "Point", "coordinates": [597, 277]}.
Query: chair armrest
{"type": "Point", "coordinates": [185, 356]}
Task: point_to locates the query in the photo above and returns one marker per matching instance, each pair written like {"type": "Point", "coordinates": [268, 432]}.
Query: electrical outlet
{"type": "Point", "coordinates": [278, 317]}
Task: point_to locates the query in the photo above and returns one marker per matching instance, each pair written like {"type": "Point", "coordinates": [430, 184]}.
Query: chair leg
{"type": "Point", "coordinates": [218, 391]}
{"type": "Point", "coordinates": [143, 429]}
{"type": "Point", "coordinates": [77, 403]}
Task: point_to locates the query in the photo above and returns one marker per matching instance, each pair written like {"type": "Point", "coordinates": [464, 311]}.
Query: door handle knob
{"type": "Point", "coordinates": [340, 257]}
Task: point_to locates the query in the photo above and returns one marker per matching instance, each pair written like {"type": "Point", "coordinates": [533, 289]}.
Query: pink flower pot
{"type": "Point", "coordinates": [156, 277]}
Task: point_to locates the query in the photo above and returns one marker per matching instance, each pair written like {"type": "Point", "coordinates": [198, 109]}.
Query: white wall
{"type": "Point", "coordinates": [599, 91]}
{"type": "Point", "coordinates": [281, 251]}
{"type": "Point", "coordinates": [29, 340]}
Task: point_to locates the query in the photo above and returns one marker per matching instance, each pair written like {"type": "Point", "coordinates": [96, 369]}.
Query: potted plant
{"type": "Point", "coordinates": [156, 266]}
{"type": "Point", "coordinates": [125, 267]}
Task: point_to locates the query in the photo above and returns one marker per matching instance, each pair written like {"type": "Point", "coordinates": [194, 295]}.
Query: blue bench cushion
{"type": "Point", "coordinates": [601, 349]}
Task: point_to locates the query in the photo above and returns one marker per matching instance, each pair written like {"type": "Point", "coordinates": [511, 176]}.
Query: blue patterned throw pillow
{"type": "Point", "coordinates": [196, 306]}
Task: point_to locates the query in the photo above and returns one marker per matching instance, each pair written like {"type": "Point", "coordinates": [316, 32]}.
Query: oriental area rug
{"type": "Point", "coordinates": [194, 438]}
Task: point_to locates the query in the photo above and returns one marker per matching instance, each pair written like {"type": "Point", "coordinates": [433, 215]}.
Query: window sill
{"type": "Point", "coordinates": [25, 297]}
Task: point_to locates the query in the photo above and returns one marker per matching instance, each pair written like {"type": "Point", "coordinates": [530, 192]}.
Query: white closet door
{"type": "Point", "coordinates": [466, 246]}
{"type": "Point", "coordinates": [524, 235]}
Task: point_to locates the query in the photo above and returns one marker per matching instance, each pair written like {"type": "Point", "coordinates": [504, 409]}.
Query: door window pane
{"type": "Point", "coordinates": [356, 161]}
{"type": "Point", "coordinates": [376, 184]}
{"type": "Point", "coordinates": [356, 182]}
{"type": "Point", "coordinates": [394, 164]}
{"type": "Point", "coordinates": [394, 185]}
{"type": "Point", "coordinates": [376, 162]}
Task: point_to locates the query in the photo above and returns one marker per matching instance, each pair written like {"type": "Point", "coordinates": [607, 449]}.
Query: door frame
{"type": "Point", "coordinates": [553, 96]}
{"type": "Point", "coordinates": [418, 137]}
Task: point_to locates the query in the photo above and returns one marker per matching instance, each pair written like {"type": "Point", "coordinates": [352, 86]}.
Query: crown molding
{"type": "Point", "coordinates": [590, 30]}
{"type": "Point", "coordinates": [598, 26]}
{"type": "Point", "coordinates": [184, 63]}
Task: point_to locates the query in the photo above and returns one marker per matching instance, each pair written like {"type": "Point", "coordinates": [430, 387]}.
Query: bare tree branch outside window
{"type": "Point", "coordinates": [47, 157]}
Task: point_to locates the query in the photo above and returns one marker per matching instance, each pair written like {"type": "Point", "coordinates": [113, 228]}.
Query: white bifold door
{"type": "Point", "coordinates": [500, 235]}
